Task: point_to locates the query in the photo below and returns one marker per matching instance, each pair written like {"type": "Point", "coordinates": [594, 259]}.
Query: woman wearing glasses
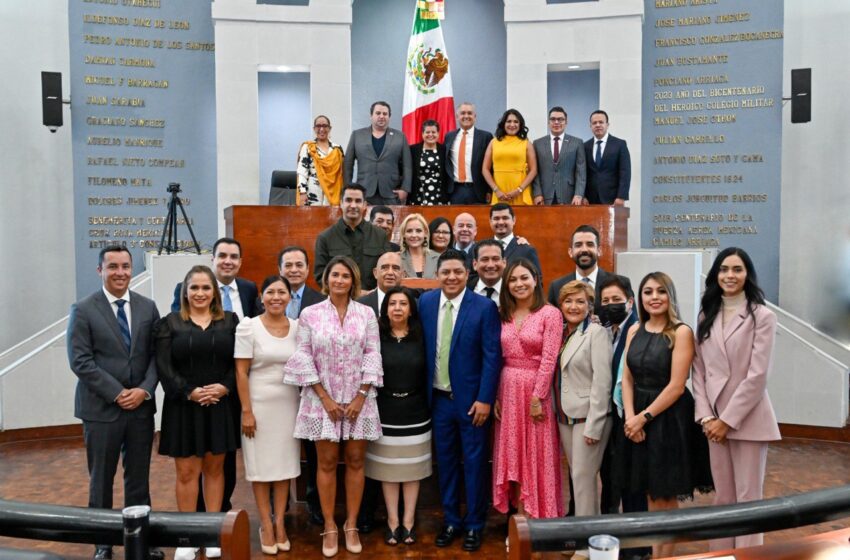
{"type": "Point", "coordinates": [319, 167]}
{"type": "Point", "coordinates": [338, 364]}
{"type": "Point", "coordinates": [440, 233]}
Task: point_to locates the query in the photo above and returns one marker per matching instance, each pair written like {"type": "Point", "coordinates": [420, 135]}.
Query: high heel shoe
{"type": "Point", "coordinates": [331, 551]}
{"type": "Point", "coordinates": [352, 548]}
{"type": "Point", "coordinates": [270, 549]}
{"type": "Point", "coordinates": [284, 546]}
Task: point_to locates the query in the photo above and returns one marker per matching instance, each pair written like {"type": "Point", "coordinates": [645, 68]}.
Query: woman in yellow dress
{"type": "Point", "coordinates": [513, 162]}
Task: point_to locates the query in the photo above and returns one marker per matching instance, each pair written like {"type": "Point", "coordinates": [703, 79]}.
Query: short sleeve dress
{"type": "Point", "coordinates": [188, 357]}
{"type": "Point", "coordinates": [273, 453]}
{"type": "Point", "coordinates": [673, 459]}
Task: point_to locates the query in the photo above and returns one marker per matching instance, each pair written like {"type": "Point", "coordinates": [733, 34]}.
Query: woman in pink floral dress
{"type": "Point", "coordinates": [338, 362]}
{"type": "Point", "coordinates": [526, 457]}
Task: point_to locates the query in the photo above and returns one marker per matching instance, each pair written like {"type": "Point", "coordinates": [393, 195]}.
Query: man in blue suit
{"type": "Point", "coordinates": [609, 165]}
{"type": "Point", "coordinates": [463, 360]}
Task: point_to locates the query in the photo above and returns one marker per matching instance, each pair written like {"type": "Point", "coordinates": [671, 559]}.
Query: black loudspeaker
{"type": "Point", "coordinates": [51, 100]}
{"type": "Point", "coordinates": [801, 95]}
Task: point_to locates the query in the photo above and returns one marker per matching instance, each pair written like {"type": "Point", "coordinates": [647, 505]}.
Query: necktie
{"type": "Point", "coordinates": [461, 159]}
{"type": "Point", "coordinates": [556, 153]}
{"type": "Point", "coordinates": [586, 280]}
{"type": "Point", "coordinates": [123, 325]}
{"type": "Point", "coordinates": [489, 291]}
{"type": "Point", "coordinates": [445, 346]}
{"type": "Point", "coordinates": [294, 307]}
{"type": "Point", "coordinates": [226, 302]}
{"type": "Point", "coordinates": [598, 159]}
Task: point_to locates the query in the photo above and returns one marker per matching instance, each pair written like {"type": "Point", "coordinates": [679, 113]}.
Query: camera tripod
{"type": "Point", "coordinates": [169, 231]}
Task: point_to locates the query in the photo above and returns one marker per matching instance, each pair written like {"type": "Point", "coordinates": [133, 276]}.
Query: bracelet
{"type": "Point", "coordinates": [364, 393]}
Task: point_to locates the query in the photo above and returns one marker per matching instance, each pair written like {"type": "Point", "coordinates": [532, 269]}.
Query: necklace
{"type": "Point", "coordinates": [399, 337]}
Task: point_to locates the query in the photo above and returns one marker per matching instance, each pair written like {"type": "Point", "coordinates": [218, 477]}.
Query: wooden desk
{"type": "Point", "coordinates": [825, 546]}
{"type": "Point", "coordinates": [264, 230]}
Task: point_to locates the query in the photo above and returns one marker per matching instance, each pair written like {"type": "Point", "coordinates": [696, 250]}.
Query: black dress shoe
{"type": "Point", "coordinates": [157, 554]}
{"type": "Point", "coordinates": [365, 526]}
{"type": "Point", "coordinates": [316, 517]}
{"type": "Point", "coordinates": [102, 553]}
{"type": "Point", "coordinates": [472, 540]}
{"type": "Point", "coordinates": [446, 536]}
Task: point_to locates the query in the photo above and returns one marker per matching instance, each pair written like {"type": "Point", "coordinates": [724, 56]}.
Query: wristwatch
{"type": "Point", "coordinates": [648, 415]}
{"type": "Point", "coordinates": [363, 392]}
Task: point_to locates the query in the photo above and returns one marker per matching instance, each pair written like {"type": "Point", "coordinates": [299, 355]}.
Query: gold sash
{"type": "Point", "coordinates": [328, 170]}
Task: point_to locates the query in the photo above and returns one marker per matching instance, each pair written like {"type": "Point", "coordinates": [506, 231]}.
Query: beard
{"type": "Point", "coordinates": [586, 261]}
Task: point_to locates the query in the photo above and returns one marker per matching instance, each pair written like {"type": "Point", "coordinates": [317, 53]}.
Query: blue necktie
{"type": "Point", "coordinates": [225, 298]}
{"type": "Point", "coordinates": [294, 306]}
{"type": "Point", "coordinates": [598, 159]}
{"type": "Point", "coordinates": [123, 325]}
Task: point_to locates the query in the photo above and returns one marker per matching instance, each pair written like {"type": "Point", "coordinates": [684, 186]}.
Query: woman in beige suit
{"type": "Point", "coordinates": [584, 393]}
{"type": "Point", "coordinates": [417, 260]}
{"type": "Point", "coordinates": [733, 357]}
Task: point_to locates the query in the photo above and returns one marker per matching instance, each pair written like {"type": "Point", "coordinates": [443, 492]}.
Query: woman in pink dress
{"type": "Point", "coordinates": [526, 457]}
{"type": "Point", "coordinates": [338, 364]}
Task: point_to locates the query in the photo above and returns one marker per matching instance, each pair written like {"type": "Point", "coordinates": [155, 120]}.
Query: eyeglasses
{"type": "Point", "coordinates": [439, 232]}
{"type": "Point", "coordinates": [321, 126]}
{"type": "Point", "coordinates": [557, 120]}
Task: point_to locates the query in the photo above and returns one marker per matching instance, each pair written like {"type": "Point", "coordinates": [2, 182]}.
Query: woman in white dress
{"type": "Point", "coordinates": [269, 408]}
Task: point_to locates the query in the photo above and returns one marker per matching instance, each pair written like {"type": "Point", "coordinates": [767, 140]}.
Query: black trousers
{"type": "Point", "coordinates": [464, 193]}
{"type": "Point", "coordinates": [130, 437]}
{"type": "Point", "coordinates": [312, 491]}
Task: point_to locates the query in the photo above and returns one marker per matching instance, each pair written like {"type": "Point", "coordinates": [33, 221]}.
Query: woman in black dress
{"type": "Point", "coordinates": [194, 357]}
{"type": "Point", "coordinates": [429, 168]}
{"type": "Point", "coordinates": [663, 451]}
{"type": "Point", "coordinates": [402, 456]}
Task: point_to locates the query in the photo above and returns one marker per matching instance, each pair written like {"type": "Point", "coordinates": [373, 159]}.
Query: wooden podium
{"type": "Point", "coordinates": [264, 230]}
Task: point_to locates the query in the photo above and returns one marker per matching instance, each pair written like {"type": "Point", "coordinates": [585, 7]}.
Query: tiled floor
{"type": "Point", "coordinates": [54, 471]}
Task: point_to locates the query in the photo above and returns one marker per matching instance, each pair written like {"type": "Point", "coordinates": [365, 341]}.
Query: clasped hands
{"type": "Point", "coordinates": [337, 412]}
{"type": "Point", "coordinates": [715, 430]}
{"type": "Point", "coordinates": [130, 399]}
{"type": "Point", "coordinates": [634, 428]}
{"type": "Point", "coordinates": [208, 394]}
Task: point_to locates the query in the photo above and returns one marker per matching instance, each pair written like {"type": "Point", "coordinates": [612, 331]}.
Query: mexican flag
{"type": "Point", "coordinates": [427, 80]}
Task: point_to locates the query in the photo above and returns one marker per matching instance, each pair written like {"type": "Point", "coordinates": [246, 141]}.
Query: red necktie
{"type": "Point", "coordinates": [557, 151]}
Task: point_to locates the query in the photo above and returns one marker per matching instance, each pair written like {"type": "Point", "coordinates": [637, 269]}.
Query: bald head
{"type": "Point", "coordinates": [388, 271]}
{"type": "Point", "coordinates": [465, 230]}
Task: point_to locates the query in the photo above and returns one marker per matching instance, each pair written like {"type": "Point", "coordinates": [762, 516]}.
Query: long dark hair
{"type": "Point", "coordinates": [507, 302]}
{"type": "Point", "coordinates": [522, 133]}
{"type": "Point", "coordinates": [414, 327]}
{"type": "Point", "coordinates": [673, 320]}
{"type": "Point", "coordinates": [712, 301]}
{"type": "Point", "coordinates": [437, 222]}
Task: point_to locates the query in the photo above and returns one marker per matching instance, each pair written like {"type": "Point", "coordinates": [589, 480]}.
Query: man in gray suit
{"type": "Point", "coordinates": [110, 349]}
{"type": "Point", "coordinates": [561, 168]}
{"type": "Point", "coordinates": [383, 159]}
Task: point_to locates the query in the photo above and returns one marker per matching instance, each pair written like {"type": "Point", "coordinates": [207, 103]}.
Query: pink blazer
{"type": "Point", "coordinates": [730, 375]}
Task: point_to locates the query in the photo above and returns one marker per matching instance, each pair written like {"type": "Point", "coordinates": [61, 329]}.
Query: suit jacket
{"type": "Point", "coordinates": [611, 179]}
{"type": "Point", "coordinates": [565, 178]}
{"type": "Point", "coordinates": [99, 358]}
{"type": "Point", "coordinates": [475, 356]}
{"type": "Point", "coordinates": [415, 156]}
{"type": "Point", "coordinates": [371, 299]}
{"type": "Point", "coordinates": [516, 251]}
{"type": "Point", "coordinates": [480, 141]}
{"type": "Point", "coordinates": [379, 174]}
{"type": "Point", "coordinates": [620, 346]}
{"type": "Point", "coordinates": [247, 295]}
{"type": "Point", "coordinates": [730, 375]}
{"type": "Point", "coordinates": [428, 271]}
{"type": "Point", "coordinates": [585, 378]}
{"type": "Point", "coordinates": [558, 283]}
{"type": "Point", "coordinates": [310, 297]}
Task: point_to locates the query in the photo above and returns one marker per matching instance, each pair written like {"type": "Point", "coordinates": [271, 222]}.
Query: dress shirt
{"type": "Point", "coordinates": [381, 296]}
{"type": "Point", "coordinates": [294, 307]}
{"type": "Point", "coordinates": [235, 302]}
{"type": "Point", "coordinates": [604, 143]}
{"type": "Point", "coordinates": [592, 276]}
{"type": "Point", "coordinates": [479, 289]}
{"type": "Point", "coordinates": [560, 144]}
{"type": "Point", "coordinates": [466, 249]}
{"type": "Point", "coordinates": [112, 299]}
{"type": "Point", "coordinates": [440, 316]}
{"type": "Point", "coordinates": [505, 241]}
{"type": "Point", "coordinates": [470, 134]}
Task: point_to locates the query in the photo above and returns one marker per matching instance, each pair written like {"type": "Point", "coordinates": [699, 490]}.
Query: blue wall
{"type": "Point", "coordinates": [577, 92]}
{"type": "Point", "coordinates": [474, 31]}
{"type": "Point", "coordinates": [284, 122]}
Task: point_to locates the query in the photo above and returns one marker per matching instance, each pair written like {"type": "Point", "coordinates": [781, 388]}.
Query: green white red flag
{"type": "Point", "coordinates": [427, 80]}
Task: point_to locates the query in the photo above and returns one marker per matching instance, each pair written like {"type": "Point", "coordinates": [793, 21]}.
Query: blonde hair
{"type": "Point", "coordinates": [576, 287]}
{"type": "Point", "coordinates": [410, 218]}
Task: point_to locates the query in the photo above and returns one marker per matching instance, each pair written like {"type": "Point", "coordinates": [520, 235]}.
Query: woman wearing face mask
{"type": "Point", "coordinates": [734, 353]}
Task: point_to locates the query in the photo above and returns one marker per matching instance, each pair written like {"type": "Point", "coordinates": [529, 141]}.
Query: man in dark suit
{"type": "Point", "coordinates": [465, 229]}
{"type": "Point", "coordinates": [502, 222]}
{"type": "Point", "coordinates": [561, 168]}
{"type": "Point", "coordinates": [465, 149]}
{"type": "Point", "coordinates": [463, 361]}
{"type": "Point", "coordinates": [238, 295]}
{"type": "Point", "coordinates": [585, 252]}
{"type": "Point", "coordinates": [110, 350]}
{"type": "Point", "coordinates": [382, 154]}
{"type": "Point", "coordinates": [489, 264]}
{"type": "Point", "coordinates": [609, 165]}
{"type": "Point", "coordinates": [383, 217]}
{"type": "Point", "coordinates": [618, 314]}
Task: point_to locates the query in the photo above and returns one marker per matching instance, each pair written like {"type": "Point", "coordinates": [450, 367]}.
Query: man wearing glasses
{"type": "Point", "coordinates": [561, 168]}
